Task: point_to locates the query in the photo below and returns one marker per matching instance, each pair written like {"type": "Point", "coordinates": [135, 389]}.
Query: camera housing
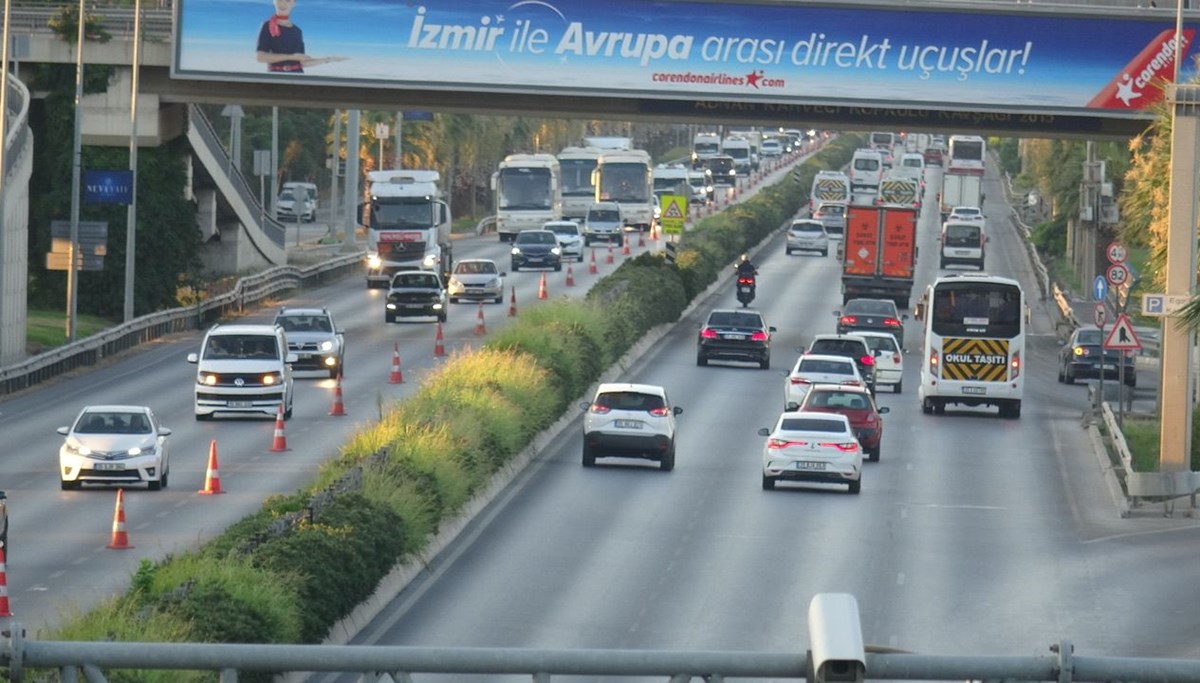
{"type": "Point", "coordinates": [836, 653]}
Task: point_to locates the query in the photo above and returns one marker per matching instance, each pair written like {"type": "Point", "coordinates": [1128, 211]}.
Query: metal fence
{"type": "Point", "coordinates": [249, 290]}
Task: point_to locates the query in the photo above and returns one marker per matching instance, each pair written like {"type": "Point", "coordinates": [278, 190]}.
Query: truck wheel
{"type": "Point", "coordinates": [389, 318]}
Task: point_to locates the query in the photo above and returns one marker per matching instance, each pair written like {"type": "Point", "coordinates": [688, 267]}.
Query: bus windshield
{"type": "Point", "coordinates": [976, 309]}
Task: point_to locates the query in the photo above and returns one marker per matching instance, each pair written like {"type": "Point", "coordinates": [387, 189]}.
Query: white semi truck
{"type": "Point", "coordinates": [408, 225]}
{"type": "Point", "coordinates": [577, 165]}
{"type": "Point", "coordinates": [625, 177]}
{"type": "Point", "coordinates": [528, 191]}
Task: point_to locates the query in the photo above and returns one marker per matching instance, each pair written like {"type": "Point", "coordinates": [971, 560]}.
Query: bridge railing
{"type": "Point", "coordinates": [248, 291]}
{"type": "Point", "coordinates": [271, 227]}
{"type": "Point", "coordinates": [17, 133]}
{"type": "Point", "coordinates": [34, 16]}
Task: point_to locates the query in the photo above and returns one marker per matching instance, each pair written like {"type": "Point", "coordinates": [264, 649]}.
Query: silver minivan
{"type": "Point", "coordinates": [604, 221]}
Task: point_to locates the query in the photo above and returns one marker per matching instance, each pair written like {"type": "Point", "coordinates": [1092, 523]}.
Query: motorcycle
{"type": "Point", "coordinates": [745, 289]}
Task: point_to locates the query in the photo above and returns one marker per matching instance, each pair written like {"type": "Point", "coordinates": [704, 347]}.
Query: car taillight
{"type": "Point", "coordinates": [778, 444]}
{"type": "Point", "coordinates": [891, 322]}
{"type": "Point", "coordinates": [1016, 365]}
{"type": "Point", "coordinates": [871, 417]}
{"type": "Point", "coordinates": [851, 383]}
{"type": "Point", "coordinates": [660, 412]}
{"type": "Point", "coordinates": [848, 320]}
{"type": "Point", "coordinates": [599, 409]}
{"type": "Point", "coordinates": [708, 333]}
{"type": "Point", "coordinates": [896, 358]}
{"type": "Point", "coordinates": [799, 380]}
{"type": "Point", "coordinates": [867, 361]}
{"type": "Point", "coordinates": [844, 447]}
{"type": "Point", "coordinates": [758, 336]}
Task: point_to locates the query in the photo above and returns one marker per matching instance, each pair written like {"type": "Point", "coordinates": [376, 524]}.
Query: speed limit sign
{"type": "Point", "coordinates": [1116, 253]}
{"type": "Point", "coordinates": [1118, 274]}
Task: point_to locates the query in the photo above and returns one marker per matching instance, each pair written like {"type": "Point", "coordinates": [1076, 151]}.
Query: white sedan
{"type": "Point", "coordinates": [815, 368]}
{"type": "Point", "coordinates": [114, 444]}
{"type": "Point", "coordinates": [966, 213]}
{"type": "Point", "coordinates": [889, 359]}
{"type": "Point", "coordinates": [476, 279]}
{"type": "Point", "coordinates": [812, 447]}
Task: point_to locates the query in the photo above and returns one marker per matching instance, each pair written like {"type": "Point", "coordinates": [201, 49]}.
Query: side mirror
{"type": "Point", "coordinates": [791, 407]}
{"type": "Point", "coordinates": [883, 409]}
{"type": "Point", "coordinates": [63, 430]}
{"type": "Point", "coordinates": [163, 431]}
{"type": "Point", "coordinates": [291, 358]}
{"type": "Point", "coordinates": [764, 432]}
{"type": "Point", "coordinates": [677, 410]}
{"type": "Point", "coordinates": [193, 358]}
{"type": "Point", "coordinates": [837, 314]}
{"type": "Point", "coordinates": [772, 329]}
{"type": "Point", "coordinates": [585, 406]}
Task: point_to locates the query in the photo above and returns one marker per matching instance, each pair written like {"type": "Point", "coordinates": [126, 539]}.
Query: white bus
{"type": "Point", "coordinates": [974, 346]}
{"type": "Point", "coordinates": [577, 166]}
{"type": "Point", "coordinates": [625, 178]}
{"type": "Point", "coordinates": [966, 155]}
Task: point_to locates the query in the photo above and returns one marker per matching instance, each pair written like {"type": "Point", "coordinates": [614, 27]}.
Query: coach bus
{"type": "Point", "coordinates": [974, 346]}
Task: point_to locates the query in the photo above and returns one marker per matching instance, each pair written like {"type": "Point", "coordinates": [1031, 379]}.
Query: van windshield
{"type": "Point", "coordinates": [240, 346]}
{"type": "Point", "coordinates": [603, 216]}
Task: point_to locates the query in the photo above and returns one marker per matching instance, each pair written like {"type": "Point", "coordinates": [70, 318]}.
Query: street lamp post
{"type": "Point", "coordinates": [381, 133]}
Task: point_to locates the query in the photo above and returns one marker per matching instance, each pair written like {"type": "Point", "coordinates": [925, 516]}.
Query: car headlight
{"type": "Point", "coordinates": [76, 448]}
{"type": "Point", "coordinates": [373, 261]}
{"type": "Point", "coordinates": [327, 345]}
{"type": "Point", "coordinates": [516, 251]}
{"type": "Point", "coordinates": [135, 451]}
{"type": "Point", "coordinates": [495, 282]}
{"type": "Point", "coordinates": [455, 282]}
{"type": "Point", "coordinates": [555, 250]}
{"type": "Point", "coordinates": [208, 379]}
{"type": "Point", "coordinates": [430, 260]}
{"type": "Point", "coordinates": [272, 378]}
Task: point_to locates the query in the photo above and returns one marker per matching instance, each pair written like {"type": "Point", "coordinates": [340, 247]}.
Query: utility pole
{"type": "Point", "coordinates": [131, 214]}
{"type": "Point", "coordinates": [354, 130]}
{"type": "Point", "coordinates": [73, 256]}
{"type": "Point", "coordinates": [335, 162]}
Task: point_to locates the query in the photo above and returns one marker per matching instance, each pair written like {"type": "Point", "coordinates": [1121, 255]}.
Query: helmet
{"type": "Point", "coordinates": [745, 258]}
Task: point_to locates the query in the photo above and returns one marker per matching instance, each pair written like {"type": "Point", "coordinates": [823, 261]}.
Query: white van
{"type": "Point", "coordinates": [866, 170]}
{"type": "Point", "coordinates": [604, 221]}
{"type": "Point", "coordinates": [962, 243]}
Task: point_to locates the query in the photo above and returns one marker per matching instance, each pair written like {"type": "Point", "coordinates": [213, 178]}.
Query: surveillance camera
{"type": "Point", "coordinates": [836, 653]}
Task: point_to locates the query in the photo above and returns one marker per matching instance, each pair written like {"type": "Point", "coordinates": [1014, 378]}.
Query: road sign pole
{"type": "Point", "coordinates": [1102, 351]}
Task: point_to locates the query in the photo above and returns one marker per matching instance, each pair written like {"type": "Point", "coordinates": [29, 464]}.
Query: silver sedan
{"type": "Point", "coordinates": [476, 279]}
{"type": "Point", "coordinates": [114, 444]}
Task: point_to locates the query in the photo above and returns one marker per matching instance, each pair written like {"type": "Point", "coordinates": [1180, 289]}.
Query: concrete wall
{"type": "Point", "coordinates": [15, 271]}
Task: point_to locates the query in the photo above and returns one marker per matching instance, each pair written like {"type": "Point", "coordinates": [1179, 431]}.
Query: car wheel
{"type": "Point", "coordinates": [667, 462]}
{"type": "Point", "coordinates": [203, 417]}
{"type": "Point", "coordinates": [824, 252]}
{"type": "Point", "coordinates": [898, 387]}
{"type": "Point", "coordinates": [768, 483]}
{"type": "Point", "coordinates": [1061, 377]}
{"type": "Point", "coordinates": [873, 453]}
{"type": "Point", "coordinates": [856, 486]}
{"type": "Point", "coordinates": [453, 299]}
{"type": "Point", "coordinates": [498, 300]}
{"type": "Point", "coordinates": [942, 263]}
{"type": "Point", "coordinates": [334, 372]}
{"type": "Point", "coordinates": [589, 456]}
{"type": "Point", "coordinates": [787, 251]}
{"type": "Point", "coordinates": [939, 408]}
{"type": "Point", "coordinates": [162, 481]}
{"type": "Point", "coordinates": [515, 267]}
{"type": "Point", "coordinates": [155, 485]}
{"type": "Point", "coordinates": [558, 267]}
{"type": "Point", "coordinates": [287, 412]}
{"type": "Point", "coordinates": [701, 360]}
{"type": "Point", "coordinates": [1068, 376]}
{"type": "Point", "coordinates": [69, 485]}
{"type": "Point", "coordinates": [442, 316]}
{"type": "Point", "coordinates": [765, 363]}
{"type": "Point", "coordinates": [389, 318]}
{"type": "Point", "coordinates": [579, 259]}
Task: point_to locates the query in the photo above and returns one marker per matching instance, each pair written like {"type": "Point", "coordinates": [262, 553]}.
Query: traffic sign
{"type": "Point", "coordinates": [1099, 288]}
{"type": "Point", "coordinates": [674, 214]}
{"type": "Point", "coordinates": [1122, 337]}
{"type": "Point", "coordinates": [1118, 274]}
{"type": "Point", "coordinates": [1100, 315]}
{"type": "Point", "coordinates": [1159, 305]}
{"type": "Point", "coordinates": [1117, 253]}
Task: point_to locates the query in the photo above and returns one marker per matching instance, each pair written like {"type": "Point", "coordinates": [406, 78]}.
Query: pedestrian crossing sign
{"type": "Point", "coordinates": [1122, 337]}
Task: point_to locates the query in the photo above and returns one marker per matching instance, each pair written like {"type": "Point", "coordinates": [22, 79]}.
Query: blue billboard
{"type": "Point", "coordinates": [108, 187]}
{"type": "Point", "coordinates": [839, 55]}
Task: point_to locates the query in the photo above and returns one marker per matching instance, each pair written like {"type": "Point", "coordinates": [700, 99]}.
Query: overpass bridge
{"type": "Point", "coordinates": [249, 236]}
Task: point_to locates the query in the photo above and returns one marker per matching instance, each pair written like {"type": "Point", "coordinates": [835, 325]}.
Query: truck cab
{"type": "Point", "coordinates": [408, 226]}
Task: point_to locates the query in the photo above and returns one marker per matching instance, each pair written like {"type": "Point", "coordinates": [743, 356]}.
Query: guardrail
{"type": "Point", "coordinates": [1146, 485]}
{"type": "Point", "coordinates": [248, 291]}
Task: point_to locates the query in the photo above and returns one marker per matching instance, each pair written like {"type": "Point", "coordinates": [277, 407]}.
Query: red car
{"type": "Point", "coordinates": [933, 156]}
{"type": "Point", "coordinates": [857, 404]}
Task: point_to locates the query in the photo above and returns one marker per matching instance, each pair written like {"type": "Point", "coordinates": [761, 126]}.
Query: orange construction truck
{"type": "Point", "coordinates": [880, 253]}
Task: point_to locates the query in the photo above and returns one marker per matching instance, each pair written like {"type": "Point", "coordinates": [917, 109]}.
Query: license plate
{"type": "Point", "coordinates": [809, 465]}
{"type": "Point", "coordinates": [1109, 366]}
{"type": "Point", "coordinates": [239, 404]}
{"type": "Point", "coordinates": [980, 391]}
{"type": "Point", "coordinates": [738, 337]}
{"type": "Point", "coordinates": [414, 305]}
{"type": "Point", "coordinates": [628, 424]}
{"type": "Point", "coordinates": [109, 466]}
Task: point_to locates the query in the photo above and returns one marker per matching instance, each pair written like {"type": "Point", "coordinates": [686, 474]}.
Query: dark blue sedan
{"type": "Point", "coordinates": [1082, 358]}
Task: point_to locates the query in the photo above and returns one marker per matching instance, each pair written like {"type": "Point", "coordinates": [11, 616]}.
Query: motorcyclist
{"type": "Point", "coordinates": [745, 268]}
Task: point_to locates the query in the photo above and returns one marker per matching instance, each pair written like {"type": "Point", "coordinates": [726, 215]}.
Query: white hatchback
{"type": "Point", "coordinates": [813, 368]}
{"type": "Point", "coordinates": [812, 447]}
{"type": "Point", "coordinates": [631, 421]}
{"type": "Point", "coordinates": [889, 360]}
{"type": "Point", "coordinates": [807, 234]}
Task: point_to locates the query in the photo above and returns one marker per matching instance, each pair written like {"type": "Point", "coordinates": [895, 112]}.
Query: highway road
{"type": "Point", "coordinates": [972, 535]}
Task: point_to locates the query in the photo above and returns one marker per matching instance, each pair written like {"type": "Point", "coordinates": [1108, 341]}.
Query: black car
{"type": "Point", "coordinates": [871, 315]}
{"type": "Point", "coordinates": [413, 293]}
{"type": "Point", "coordinates": [724, 171]}
{"type": "Point", "coordinates": [849, 346]}
{"type": "Point", "coordinates": [1082, 358]}
{"type": "Point", "coordinates": [537, 248]}
{"type": "Point", "coordinates": [734, 334]}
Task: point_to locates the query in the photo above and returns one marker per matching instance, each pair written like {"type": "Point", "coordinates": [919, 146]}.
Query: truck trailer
{"type": "Point", "coordinates": [880, 253]}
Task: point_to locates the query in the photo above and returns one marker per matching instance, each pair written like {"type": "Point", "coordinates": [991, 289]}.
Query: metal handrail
{"type": "Point", "coordinates": [272, 228]}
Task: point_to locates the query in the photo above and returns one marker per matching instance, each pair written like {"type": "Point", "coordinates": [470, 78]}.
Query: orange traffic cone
{"type": "Point", "coordinates": [480, 328]}
{"type": "Point", "coordinates": [542, 294]}
{"type": "Point", "coordinates": [439, 346]}
{"type": "Point", "coordinates": [592, 266]}
{"type": "Point", "coordinates": [609, 259]}
{"type": "Point", "coordinates": [625, 245]}
{"type": "Point", "coordinates": [512, 305]}
{"type": "Point", "coordinates": [4, 611]}
{"type": "Point", "coordinates": [212, 478]}
{"type": "Point", "coordinates": [338, 409]}
{"type": "Point", "coordinates": [654, 233]}
{"type": "Point", "coordinates": [120, 539]}
{"type": "Point", "coordinates": [279, 443]}
{"type": "Point", "coordinates": [570, 276]}
{"type": "Point", "coordinates": [396, 377]}
{"type": "Point", "coordinates": [642, 237]}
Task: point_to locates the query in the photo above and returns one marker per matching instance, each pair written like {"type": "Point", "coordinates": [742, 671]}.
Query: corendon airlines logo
{"type": "Point", "coordinates": [1137, 86]}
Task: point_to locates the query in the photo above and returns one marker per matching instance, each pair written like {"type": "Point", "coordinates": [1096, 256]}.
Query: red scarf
{"type": "Point", "coordinates": [273, 24]}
